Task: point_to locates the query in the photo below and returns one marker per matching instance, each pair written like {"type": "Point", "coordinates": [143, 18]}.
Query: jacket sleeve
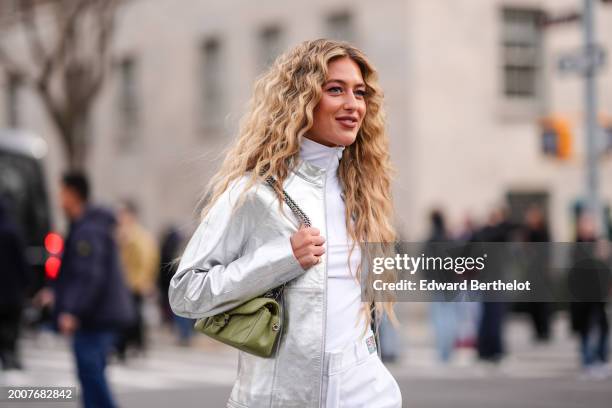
{"type": "Point", "coordinates": [215, 274]}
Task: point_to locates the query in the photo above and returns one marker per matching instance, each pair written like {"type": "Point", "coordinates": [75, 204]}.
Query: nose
{"type": "Point", "coordinates": [350, 101]}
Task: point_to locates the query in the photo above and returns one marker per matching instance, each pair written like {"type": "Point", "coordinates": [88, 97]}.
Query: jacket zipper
{"type": "Point", "coordinates": [324, 297]}
{"type": "Point", "coordinates": [281, 302]}
{"type": "Point", "coordinates": [324, 288]}
{"type": "Point", "coordinates": [376, 335]}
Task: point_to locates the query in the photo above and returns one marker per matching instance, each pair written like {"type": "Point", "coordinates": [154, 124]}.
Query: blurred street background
{"type": "Point", "coordinates": [201, 376]}
{"type": "Point", "coordinates": [499, 115]}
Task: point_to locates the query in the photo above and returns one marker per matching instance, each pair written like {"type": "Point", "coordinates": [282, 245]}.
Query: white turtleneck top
{"type": "Point", "coordinates": [344, 322]}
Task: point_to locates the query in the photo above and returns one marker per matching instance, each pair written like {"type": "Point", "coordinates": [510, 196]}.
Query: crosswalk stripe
{"type": "Point", "coordinates": [52, 364]}
{"type": "Point", "coordinates": [49, 361]}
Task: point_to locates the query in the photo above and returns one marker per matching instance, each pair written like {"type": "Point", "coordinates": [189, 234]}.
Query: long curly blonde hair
{"type": "Point", "coordinates": [280, 114]}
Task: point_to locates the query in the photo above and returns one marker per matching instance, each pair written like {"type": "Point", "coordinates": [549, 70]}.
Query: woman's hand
{"type": "Point", "coordinates": [307, 244]}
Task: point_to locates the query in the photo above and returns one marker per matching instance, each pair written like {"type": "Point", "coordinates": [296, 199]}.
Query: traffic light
{"type": "Point", "coordinates": [54, 244]}
{"type": "Point", "coordinates": [607, 130]}
{"type": "Point", "coordinates": [557, 137]}
{"type": "Point", "coordinates": [605, 135]}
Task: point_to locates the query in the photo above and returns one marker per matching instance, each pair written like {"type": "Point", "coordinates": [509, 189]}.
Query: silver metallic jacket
{"type": "Point", "coordinates": [232, 258]}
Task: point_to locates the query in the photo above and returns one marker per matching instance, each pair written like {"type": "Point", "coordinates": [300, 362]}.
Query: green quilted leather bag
{"type": "Point", "coordinates": [253, 326]}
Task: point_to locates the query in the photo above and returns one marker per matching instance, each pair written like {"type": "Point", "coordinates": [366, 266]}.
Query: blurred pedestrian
{"type": "Point", "coordinates": [536, 230]}
{"type": "Point", "coordinates": [443, 312]}
{"type": "Point", "coordinates": [608, 223]}
{"type": "Point", "coordinates": [467, 230]}
{"type": "Point", "coordinates": [468, 313]}
{"type": "Point", "coordinates": [91, 300]}
{"type": "Point", "coordinates": [490, 342]}
{"type": "Point", "coordinates": [140, 260]}
{"type": "Point", "coordinates": [170, 251]}
{"type": "Point", "coordinates": [15, 276]}
{"type": "Point", "coordinates": [171, 245]}
{"type": "Point", "coordinates": [589, 283]}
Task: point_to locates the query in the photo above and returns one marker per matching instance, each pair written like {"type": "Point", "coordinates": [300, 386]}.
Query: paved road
{"type": "Point", "coordinates": [201, 376]}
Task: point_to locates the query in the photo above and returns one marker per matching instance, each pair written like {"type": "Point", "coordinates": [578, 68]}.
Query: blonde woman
{"type": "Point", "coordinates": [316, 125]}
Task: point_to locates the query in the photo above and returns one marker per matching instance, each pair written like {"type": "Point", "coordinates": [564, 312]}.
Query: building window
{"type": "Point", "coordinates": [128, 104]}
{"type": "Point", "coordinates": [521, 53]}
{"type": "Point", "coordinates": [13, 87]}
{"type": "Point", "coordinates": [340, 27]}
{"type": "Point", "coordinates": [270, 45]}
{"type": "Point", "coordinates": [212, 84]}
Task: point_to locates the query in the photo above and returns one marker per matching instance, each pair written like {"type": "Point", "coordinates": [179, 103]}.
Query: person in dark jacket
{"type": "Point", "coordinates": [171, 244]}
{"type": "Point", "coordinates": [536, 230]}
{"type": "Point", "coordinates": [490, 343]}
{"type": "Point", "coordinates": [92, 302]}
{"type": "Point", "coordinates": [15, 277]}
{"type": "Point", "coordinates": [589, 285]}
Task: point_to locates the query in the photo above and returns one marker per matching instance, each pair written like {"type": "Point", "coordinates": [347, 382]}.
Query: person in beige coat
{"type": "Point", "coordinates": [140, 261]}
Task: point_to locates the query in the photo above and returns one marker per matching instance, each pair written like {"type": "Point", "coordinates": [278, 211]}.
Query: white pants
{"type": "Point", "coordinates": [355, 377]}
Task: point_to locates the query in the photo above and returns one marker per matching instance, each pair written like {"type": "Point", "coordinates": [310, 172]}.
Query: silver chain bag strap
{"type": "Point", "coordinates": [297, 211]}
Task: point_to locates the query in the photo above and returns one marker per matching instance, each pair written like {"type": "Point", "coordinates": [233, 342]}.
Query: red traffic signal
{"type": "Point", "coordinates": [54, 244]}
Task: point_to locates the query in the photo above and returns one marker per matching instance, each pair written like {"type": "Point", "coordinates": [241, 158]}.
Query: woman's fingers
{"type": "Point", "coordinates": [310, 260]}
{"type": "Point", "coordinates": [316, 250]}
{"type": "Point", "coordinates": [317, 240]}
{"type": "Point", "coordinates": [307, 245]}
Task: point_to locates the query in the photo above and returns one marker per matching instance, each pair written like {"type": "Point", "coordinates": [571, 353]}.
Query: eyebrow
{"type": "Point", "coordinates": [343, 82]}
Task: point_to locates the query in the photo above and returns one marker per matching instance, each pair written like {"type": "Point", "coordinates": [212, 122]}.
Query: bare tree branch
{"type": "Point", "coordinates": [98, 67]}
{"type": "Point", "coordinates": [30, 27]}
{"type": "Point", "coordinates": [65, 41]}
{"type": "Point", "coordinates": [10, 66]}
{"type": "Point", "coordinates": [70, 71]}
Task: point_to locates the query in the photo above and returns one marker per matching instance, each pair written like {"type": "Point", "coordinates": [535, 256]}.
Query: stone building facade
{"type": "Point", "coordinates": [466, 83]}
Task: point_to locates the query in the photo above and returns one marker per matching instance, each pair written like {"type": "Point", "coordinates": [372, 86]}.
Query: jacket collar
{"type": "Point", "coordinates": [327, 157]}
{"type": "Point", "coordinates": [313, 161]}
{"type": "Point", "coordinates": [309, 171]}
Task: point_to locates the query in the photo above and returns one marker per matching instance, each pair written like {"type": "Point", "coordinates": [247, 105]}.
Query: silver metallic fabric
{"type": "Point", "coordinates": [233, 257]}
